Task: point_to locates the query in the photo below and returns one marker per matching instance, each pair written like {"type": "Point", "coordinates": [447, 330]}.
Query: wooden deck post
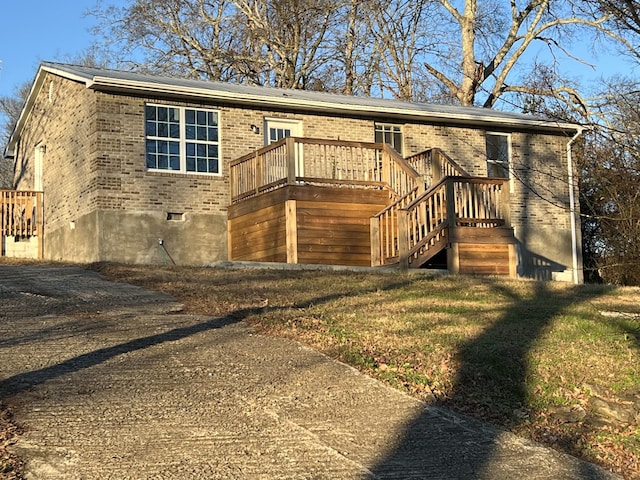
{"type": "Point", "coordinates": [259, 172]}
{"type": "Point", "coordinates": [453, 258]}
{"type": "Point", "coordinates": [291, 233]}
{"type": "Point", "coordinates": [403, 239]}
{"type": "Point", "coordinates": [40, 224]}
{"type": "Point", "coordinates": [291, 160]}
{"type": "Point", "coordinates": [505, 202]}
{"type": "Point", "coordinates": [386, 166]}
{"type": "Point", "coordinates": [513, 261]}
{"type": "Point", "coordinates": [374, 231]}
{"type": "Point", "coordinates": [453, 253]}
{"type": "Point", "coordinates": [450, 202]}
{"type": "Point", "coordinates": [436, 167]}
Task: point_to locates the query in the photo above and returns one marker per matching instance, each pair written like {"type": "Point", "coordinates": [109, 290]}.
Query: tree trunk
{"type": "Point", "coordinates": [470, 72]}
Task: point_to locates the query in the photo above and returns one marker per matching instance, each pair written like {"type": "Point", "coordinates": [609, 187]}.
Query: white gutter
{"type": "Point", "coordinates": [572, 206]}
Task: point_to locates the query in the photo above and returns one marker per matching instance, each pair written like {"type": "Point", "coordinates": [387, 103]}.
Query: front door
{"type": "Point", "coordinates": [278, 128]}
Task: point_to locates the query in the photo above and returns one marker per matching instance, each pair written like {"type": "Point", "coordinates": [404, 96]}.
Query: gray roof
{"type": "Point", "coordinates": [291, 100]}
{"type": "Point", "coordinates": [104, 79]}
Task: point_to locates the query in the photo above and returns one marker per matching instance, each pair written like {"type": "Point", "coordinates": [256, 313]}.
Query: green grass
{"type": "Point", "coordinates": [506, 351]}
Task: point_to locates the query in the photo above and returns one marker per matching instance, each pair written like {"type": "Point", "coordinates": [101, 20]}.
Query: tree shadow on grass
{"type": "Point", "coordinates": [493, 378]}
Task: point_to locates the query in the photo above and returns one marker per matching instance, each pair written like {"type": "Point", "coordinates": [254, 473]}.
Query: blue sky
{"type": "Point", "coordinates": [36, 30]}
{"type": "Point", "coordinates": [57, 30]}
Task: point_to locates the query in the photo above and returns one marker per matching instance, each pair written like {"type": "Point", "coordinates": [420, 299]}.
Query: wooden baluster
{"type": "Point", "coordinates": [505, 203]}
{"type": "Point", "coordinates": [403, 239]}
{"type": "Point", "coordinates": [39, 214]}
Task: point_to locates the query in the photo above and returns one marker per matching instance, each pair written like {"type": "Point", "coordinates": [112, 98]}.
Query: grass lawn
{"type": "Point", "coordinates": [532, 357]}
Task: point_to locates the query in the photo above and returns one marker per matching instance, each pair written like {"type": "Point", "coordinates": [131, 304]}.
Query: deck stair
{"type": "Point", "coordinates": [450, 209]}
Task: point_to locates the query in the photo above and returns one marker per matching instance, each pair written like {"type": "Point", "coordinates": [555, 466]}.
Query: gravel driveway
{"type": "Point", "coordinates": [110, 381]}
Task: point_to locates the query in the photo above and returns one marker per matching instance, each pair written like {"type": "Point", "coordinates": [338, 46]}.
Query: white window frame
{"type": "Point", "coordinates": [392, 130]}
{"type": "Point", "coordinates": [294, 126]}
{"type": "Point", "coordinates": [182, 140]}
{"type": "Point", "coordinates": [506, 165]}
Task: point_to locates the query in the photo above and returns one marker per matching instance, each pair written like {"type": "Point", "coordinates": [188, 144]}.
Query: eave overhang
{"type": "Point", "coordinates": [282, 99]}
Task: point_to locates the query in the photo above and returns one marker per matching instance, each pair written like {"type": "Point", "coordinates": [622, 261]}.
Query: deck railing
{"type": "Point", "coordinates": [432, 192]}
{"type": "Point", "coordinates": [433, 165]}
{"type": "Point", "coordinates": [21, 213]}
{"type": "Point", "coordinates": [415, 231]}
{"type": "Point", "coordinates": [294, 161]}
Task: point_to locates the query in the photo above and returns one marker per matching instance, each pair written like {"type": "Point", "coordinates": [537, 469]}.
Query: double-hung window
{"type": "Point", "coordinates": [390, 134]}
{"type": "Point", "coordinates": [497, 155]}
{"type": "Point", "coordinates": [182, 139]}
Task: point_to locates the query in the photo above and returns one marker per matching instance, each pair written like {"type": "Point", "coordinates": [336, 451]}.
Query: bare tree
{"type": "Point", "coordinates": [610, 172]}
{"type": "Point", "coordinates": [246, 41]}
{"type": "Point", "coordinates": [491, 39]}
{"type": "Point", "coordinates": [10, 108]}
{"type": "Point", "coordinates": [468, 51]}
{"type": "Point", "coordinates": [291, 35]}
{"type": "Point", "coordinates": [195, 38]}
{"type": "Point", "coordinates": [352, 50]}
{"type": "Point", "coordinates": [626, 13]}
{"type": "Point", "coordinates": [401, 33]}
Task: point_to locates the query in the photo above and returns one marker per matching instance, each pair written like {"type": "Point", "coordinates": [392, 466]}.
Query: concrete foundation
{"type": "Point", "coordinates": [140, 238]}
{"type": "Point", "coordinates": [20, 247]}
{"type": "Point", "coordinates": [548, 255]}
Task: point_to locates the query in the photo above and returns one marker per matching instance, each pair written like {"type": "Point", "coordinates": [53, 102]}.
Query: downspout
{"type": "Point", "coordinates": [572, 206]}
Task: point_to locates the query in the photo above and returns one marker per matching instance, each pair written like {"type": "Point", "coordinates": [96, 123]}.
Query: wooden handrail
{"type": "Point", "coordinates": [434, 165]}
{"type": "Point", "coordinates": [296, 160]}
{"type": "Point", "coordinates": [260, 151]}
{"type": "Point", "coordinates": [402, 178]}
{"type": "Point", "coordinates": [408, 232]}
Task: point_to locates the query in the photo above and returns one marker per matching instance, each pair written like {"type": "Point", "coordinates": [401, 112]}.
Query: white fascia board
{"type": "Point", "coordinates": [128, 86]}
{"type": "Point", "coordinates": [10, 150]}
{"type": "Point", "coordinates": [67, 74]}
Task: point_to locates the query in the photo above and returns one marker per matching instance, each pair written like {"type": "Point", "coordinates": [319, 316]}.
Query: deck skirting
{"type": "Point", "coordinates": [305, 224]}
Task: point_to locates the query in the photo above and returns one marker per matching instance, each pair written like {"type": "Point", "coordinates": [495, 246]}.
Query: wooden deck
{"type": "Point", "coordinates": [305, 200]}
{"type": "Point", "coordinates": [21, 217]}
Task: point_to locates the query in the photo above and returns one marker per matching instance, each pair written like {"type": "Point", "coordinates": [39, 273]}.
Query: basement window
{"type": "Point", "coordinates": [175, 217]}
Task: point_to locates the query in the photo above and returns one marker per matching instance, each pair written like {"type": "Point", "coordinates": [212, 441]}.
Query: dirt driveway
{"type": "Point", "coordinates": [110, 381]}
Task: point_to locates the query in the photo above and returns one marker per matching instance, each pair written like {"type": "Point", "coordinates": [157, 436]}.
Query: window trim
{"type": "Point", "coordinates": [182, 140]}
{"type": "Point", "coordinates": [500, 162]}
{"type": "Point", "coordinates": [393, 126]}
{"type": "Point", "coordinates": [509, 164]}
{"type": "Point", "coordinates": [296, 127]}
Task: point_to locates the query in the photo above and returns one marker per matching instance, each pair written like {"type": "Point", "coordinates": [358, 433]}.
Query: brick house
{"type": "Point", "coordinates": [143, 169]}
